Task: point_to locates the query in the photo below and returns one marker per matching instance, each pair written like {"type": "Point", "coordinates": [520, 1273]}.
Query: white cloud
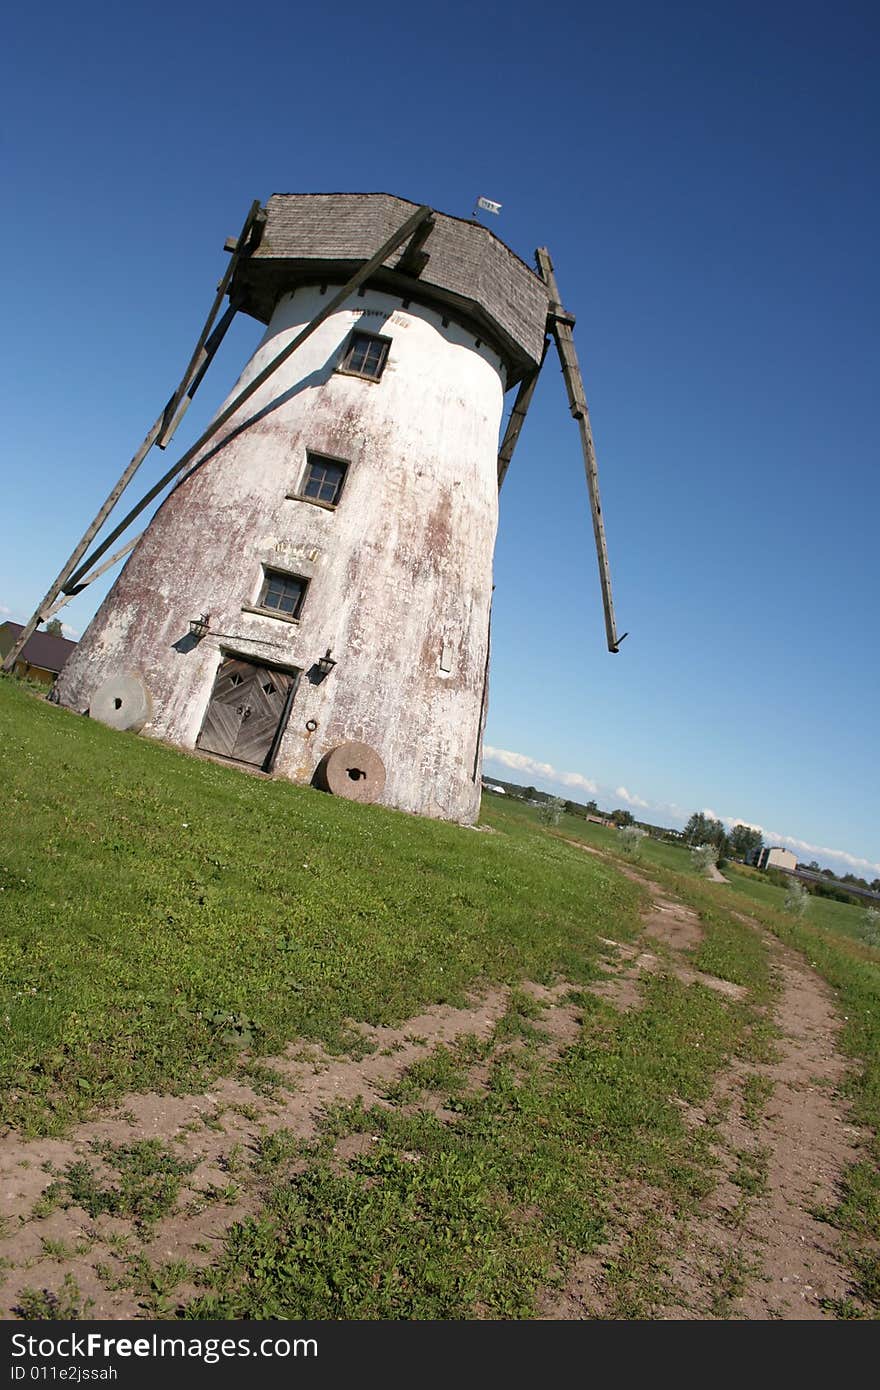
{"type": "Point", "coordinates": [72, 632]}
{"type": "Point", "coordinates": [4, 611]}
{"type": "Point", "coordinates": [731, 821]}
{"type": "Point", "coordinates": [521, 762]}
{"type": "Point", "coordinates": [803, 847]}
{"type": "Point", "coordinates": [822, 851]}
{"type": "Point", "coordinates": [576, 779]}
{"type": "Point", "coordinates": [630, 797]}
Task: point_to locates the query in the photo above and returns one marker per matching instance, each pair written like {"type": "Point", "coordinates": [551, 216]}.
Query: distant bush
{"type": "Point", "coordinates": [830, 890]}
{"type": "Point", "coordinates": [797, 899]}
{"type": "Point", "coordinates": [869, 927]}
{"type": "Point", "coordinates": [777, 877]}
{"type": "Point", "coordinates": [550, 811]}
{"type": "Point", "coordinates": [704, 856]}
{"type": "Point", "coordinates": [630, 841]}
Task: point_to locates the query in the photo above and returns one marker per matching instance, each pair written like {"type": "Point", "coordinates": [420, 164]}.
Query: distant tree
{"type": "Point", "coordinates": [54, 628]}
{"type": "Point", "coordinates": [854, 878]}
{"type": "Point", "coordinates": [704, 830]}
{"type": "Point", "coordinates": [592, 808]}
{"type": "Point", "coordinates": [743, 840]}
{"type": "Point", "coordinates": [531, 793]}
{"type": "Point", "coordinates": [621, 818]}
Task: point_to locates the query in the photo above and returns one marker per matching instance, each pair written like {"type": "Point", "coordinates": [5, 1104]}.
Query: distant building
{"type": "Point", "coordinates": [492, 787]}
{"type": "Point", "coordinates": [599, 820]}
{"type": "Point", "coordinates": [776, 859]}
{"type": "Point", "coordinates": [42, 657]}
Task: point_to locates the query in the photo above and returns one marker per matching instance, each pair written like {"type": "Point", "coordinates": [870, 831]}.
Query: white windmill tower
{"type": "Point", "coordinates": [313, 596]}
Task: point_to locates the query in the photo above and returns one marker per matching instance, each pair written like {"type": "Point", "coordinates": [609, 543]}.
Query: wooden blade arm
{"type": "Point", "coordinates": [560, 325]}
{"type": "Point", "coordinates": [161, 430]}
{"type": "Point", "coordinates": [402, 234]}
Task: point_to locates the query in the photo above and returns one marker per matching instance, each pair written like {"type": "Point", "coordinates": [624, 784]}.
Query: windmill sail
{"type": "Point", "coordinates": [560, 325]}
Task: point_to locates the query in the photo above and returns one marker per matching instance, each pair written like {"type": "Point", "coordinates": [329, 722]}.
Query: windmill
{"type": "Point", "coordinates": [312, 597]}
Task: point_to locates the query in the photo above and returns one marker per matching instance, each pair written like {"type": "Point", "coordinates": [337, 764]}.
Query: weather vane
{"type": "Point", "coordinates": [486, 205]}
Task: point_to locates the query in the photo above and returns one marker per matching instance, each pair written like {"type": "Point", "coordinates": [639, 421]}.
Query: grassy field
{"type": "Point", "coordinates": [163, 913]}
{"type": "Point", "coordinates": [160, 911]}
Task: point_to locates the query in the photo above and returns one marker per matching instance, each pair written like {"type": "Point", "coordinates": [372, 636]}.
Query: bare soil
{"type": "Point", "coordinates": [788, 1257]}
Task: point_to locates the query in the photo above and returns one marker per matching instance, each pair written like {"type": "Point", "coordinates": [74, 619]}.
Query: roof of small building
{"type": "Point", "coordinates": [42, 649]}
{"type": "Point", "coordinates": [468, 270]}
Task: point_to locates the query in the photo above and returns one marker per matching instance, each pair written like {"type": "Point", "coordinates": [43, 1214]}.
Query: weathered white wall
{"type": "Point", "coordinates": [402, 568]}
{"type": "Point", "coordinates": [781, 859]}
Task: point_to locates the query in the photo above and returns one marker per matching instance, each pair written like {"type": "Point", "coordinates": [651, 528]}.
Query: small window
{"type": "Point", "coordinates": [283, 593]}
{"type": "Point", "coordinates": [366, 355]}
{"type": "Point", "coordinates": [323, 479]}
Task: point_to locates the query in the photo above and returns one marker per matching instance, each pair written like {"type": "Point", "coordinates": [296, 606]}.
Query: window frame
{"type": "Point", "coordinates": [300, 495]}
{"type": "Point", "coordinates": [269, 573]}
{"type": "Point", "coordinates": [345, 362]}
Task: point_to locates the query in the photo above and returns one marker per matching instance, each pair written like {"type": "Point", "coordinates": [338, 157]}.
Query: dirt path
{"type": "Point", "coordinates": [758, 1250]}
{"type": "Point", "coordinates": [213, 1132]}
{"type": "Point", "coordinates": [783, 1261]}
{"type": "Point", "coordinates": [765, 1257]}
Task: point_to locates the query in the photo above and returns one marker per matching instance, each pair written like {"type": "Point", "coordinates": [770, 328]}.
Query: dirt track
{"type": "Point", "coordinates": [784, 1259]}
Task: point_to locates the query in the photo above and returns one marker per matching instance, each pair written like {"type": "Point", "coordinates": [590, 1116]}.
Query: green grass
{"type": "Point", "coordinates": [43, 1304]}
{"type": "Point", "coordinates": [473, 1218]}
{"type": "Point", "coordinates": [160, 912]}
{"type": "Point", "coordinates": [838, 919]}
{"type": "Point", "coordinates": [145, 1185]}
{"type": "Point", "coordinates": [653, 853]}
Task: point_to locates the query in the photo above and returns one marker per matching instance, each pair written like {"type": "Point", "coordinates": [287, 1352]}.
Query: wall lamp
{"type": "Point", "coordinates": [325, 663]}
{"type": "Point", "coordinates": [201, 626]}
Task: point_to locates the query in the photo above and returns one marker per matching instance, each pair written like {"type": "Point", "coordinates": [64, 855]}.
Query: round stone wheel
{"type": "Point", "coordinates": [123, 702]}
{"type": "Point", "coordinates": [355, 771]}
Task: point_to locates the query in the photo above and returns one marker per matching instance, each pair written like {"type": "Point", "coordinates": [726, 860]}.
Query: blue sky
{"type": "Point", "coordinates": [706, 180]}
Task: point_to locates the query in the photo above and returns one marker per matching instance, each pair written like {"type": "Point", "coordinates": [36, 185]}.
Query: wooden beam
{"type": "Point", "coordinates": [402, 234]}
{"type": "Point", "coordinates": [518, 417]}
{"type": "Point", "coordinates": [90, 578]}
{"type": "Point", "coordinates": [560, 324]}
{"type": "Point", "coordinates": [160, 427]}
{"type": "Point", "coordinates": [242, 246]}
{"type": "Point", "coordinates": [414, 258]}
{"type": "Point", "coordinates": [200, 364]}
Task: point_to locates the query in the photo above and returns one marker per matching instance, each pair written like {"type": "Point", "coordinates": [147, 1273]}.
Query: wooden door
{"type": "Point", "coordinates": [245, 711]}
